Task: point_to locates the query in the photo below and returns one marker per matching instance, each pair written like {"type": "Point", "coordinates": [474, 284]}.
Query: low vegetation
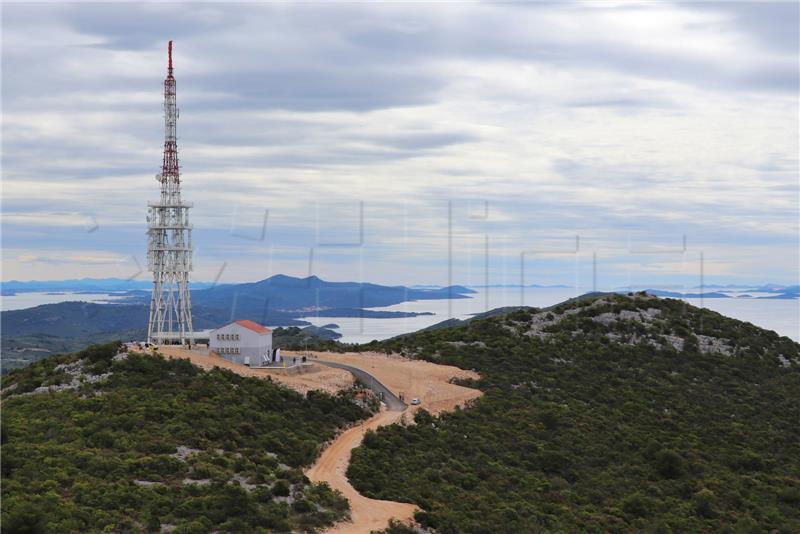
{"type": "Point", "coordinates": [308, 338]}
{"type": "Point", "coordinates": [615, 413]}
{"type": "Point", "coordinates": [102, 441]}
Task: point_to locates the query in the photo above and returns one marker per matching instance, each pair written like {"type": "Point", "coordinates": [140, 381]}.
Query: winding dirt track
{"type": "Point", "coordinates": [366, 514]}
{"type": "Point", "coordinates": [428, 382]}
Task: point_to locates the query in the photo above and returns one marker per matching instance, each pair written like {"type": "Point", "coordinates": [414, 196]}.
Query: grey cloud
{"type": "Point", "coordinates": [422, 140]}
{"type": "Point", "coordinates": [355, 58]}
{"type": "Point", "coordinates": [130, 26]}
{"type": "Point", "coordinates": [579, 173]}
{"type": "Point", "coordinates": [363, 59]}
{"type": "Point", "coordinates": [624, 103]}
{"type": "Point", "coordinates": [780, 75]}
{"type": "Point", "coordinates": [773, 23]}
{"type": "Point", "coordinates": [310, 157]}
{"type": "Point", "coordinates": [487, 35]}
{"type": "Point", "coordinates": [318, 88]}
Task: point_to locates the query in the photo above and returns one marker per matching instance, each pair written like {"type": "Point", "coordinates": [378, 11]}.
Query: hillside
{"type": "Point", "coordinates": [100, 441]}
{"type": "Point", "coordinates": [287, 293]}
{"type": "Point", "coordinates": [85, 285]}
{"type": "Point", "coordinates": [32, 333]}
{"type": "Point", "coordinates": [613, 413]}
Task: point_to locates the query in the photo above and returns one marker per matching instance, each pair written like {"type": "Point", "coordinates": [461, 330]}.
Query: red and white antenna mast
{"type": "Point", "coordinates": [169, 169]}
{"type": "Point", "coordinates": [169, 252]}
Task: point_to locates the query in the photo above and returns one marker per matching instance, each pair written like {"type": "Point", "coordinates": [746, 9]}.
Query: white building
{"type": "Point", "coordinates": [242, 342]}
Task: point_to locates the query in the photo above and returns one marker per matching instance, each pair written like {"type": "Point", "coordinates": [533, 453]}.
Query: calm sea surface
{"type": "Point", "coordinates": [29, 300]}
{"type": "Point", "coordinates": [782, 316]}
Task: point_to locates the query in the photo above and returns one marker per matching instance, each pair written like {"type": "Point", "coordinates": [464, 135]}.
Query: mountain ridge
{"type": "Point", "coordinates": [280, 300]}
{"type": "Point", "coordinates": [608, 413]}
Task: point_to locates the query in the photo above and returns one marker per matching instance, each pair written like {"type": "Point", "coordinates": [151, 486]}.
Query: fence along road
{"type": "Point", "coordinates": [392, 401]}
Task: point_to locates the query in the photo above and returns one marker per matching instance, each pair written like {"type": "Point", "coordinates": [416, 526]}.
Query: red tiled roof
{"type": "Point", "coordinates": [255, 327]}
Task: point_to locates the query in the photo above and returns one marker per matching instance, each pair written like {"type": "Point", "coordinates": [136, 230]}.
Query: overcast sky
{"type": "Point", "coordinates": [378, 142]}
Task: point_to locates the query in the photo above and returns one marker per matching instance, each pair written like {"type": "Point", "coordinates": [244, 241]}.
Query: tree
{"type": "Point", "coordinates": [669, 464]}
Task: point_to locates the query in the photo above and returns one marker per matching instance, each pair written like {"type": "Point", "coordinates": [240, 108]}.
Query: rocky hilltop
{"type": "Point", "coordinates": [606, 413]}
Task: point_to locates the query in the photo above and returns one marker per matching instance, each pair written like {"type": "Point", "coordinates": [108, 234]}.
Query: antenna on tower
{"type": "Point", "coordinates": [169, 250]}
{"type": "Point", "coordinates": [169, 48]}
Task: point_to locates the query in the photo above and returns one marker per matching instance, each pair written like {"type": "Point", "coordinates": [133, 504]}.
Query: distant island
{"type": "Point", "coordinates": [778, 292]}
{"type": "Point", "coordinates": [536, 286]}
{"type": "Point", "coordinates": [674, 294]}
{"type": "Point", "coordinates": [82, 285]}
{"type": "Point", "coordinates": [32, 333]}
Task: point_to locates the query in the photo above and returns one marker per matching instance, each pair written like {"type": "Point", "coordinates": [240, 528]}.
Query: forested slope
{"type": "Point", "coordinates": [615, 413]}
{"type": "Point", "coordinates": [134, 443]}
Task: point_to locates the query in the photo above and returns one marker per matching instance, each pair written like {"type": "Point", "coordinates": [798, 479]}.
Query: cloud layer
{"type": "Point", "coordinates": [400, 145]}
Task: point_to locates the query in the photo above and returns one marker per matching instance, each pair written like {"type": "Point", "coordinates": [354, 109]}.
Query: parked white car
{"type": "Point", "coordinates": [414, 402]}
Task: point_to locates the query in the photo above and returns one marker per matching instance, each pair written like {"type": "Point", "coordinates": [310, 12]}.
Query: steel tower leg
{"type": "Point", "coordinates": [169, 252]}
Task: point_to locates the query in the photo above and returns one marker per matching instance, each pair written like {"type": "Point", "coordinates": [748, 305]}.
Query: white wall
{"type": "Point", "coordinates": [251, 344]}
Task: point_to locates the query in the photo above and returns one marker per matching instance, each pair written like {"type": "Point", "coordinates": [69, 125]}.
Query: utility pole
{"type": "Point", "coordinates": [169, 251]}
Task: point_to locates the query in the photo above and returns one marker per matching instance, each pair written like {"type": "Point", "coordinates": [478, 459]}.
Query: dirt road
{"type": "Point", "coordinates": [366, 514]}
{"type": "Point", "coordinates": [314, 376]}
{"type": "Point", "coordinates": [428, 382]}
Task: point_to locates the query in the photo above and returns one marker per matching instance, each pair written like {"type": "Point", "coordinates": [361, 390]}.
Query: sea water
{"type": "Point", "coordinates": [29, 300]}
{"type": "Point", "coordinates": [782, 316]}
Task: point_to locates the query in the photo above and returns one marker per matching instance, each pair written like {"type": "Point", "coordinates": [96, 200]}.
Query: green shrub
{"type": "Point", "coordinates": [101, 459]}
{"type": "Point", "coordinates": [281, 488]}
{"type": "Point", "coordinates": [669, 464]}
{"type": "Point", "coordinates": [637, 505]}
{"type": "Point", "coordinates": [704, 501]}
{"type": "Point", "coordinates": [581, 433]}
